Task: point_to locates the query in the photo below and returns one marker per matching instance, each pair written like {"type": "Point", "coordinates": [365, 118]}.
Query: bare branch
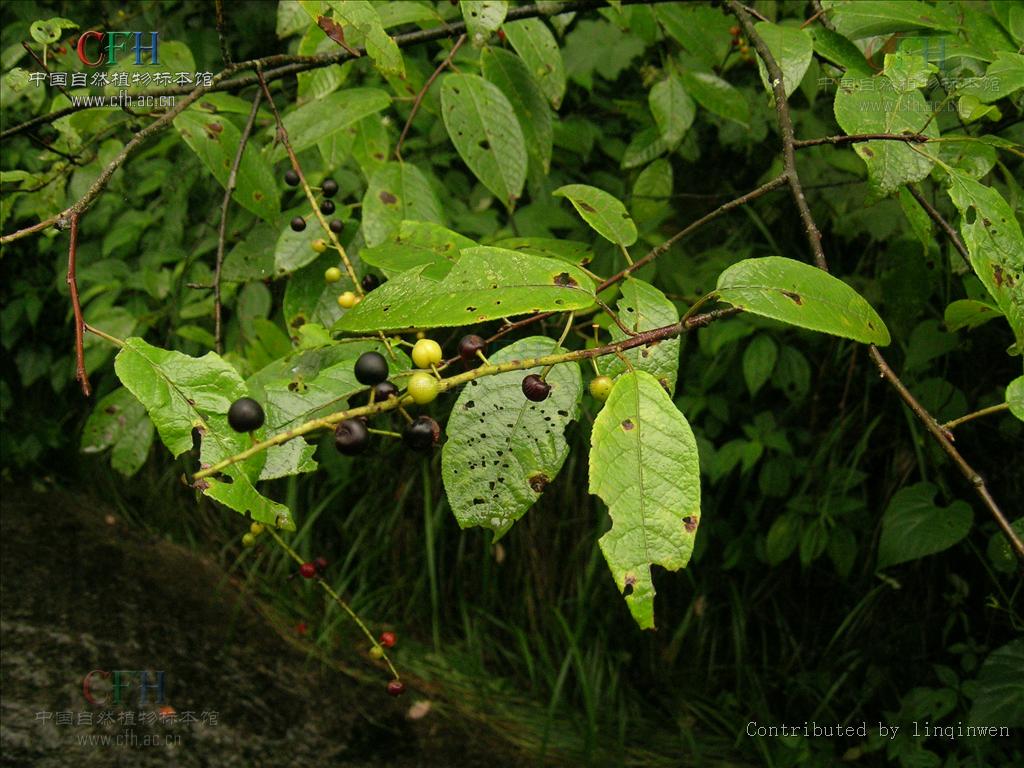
{"type": "Point", "coordinates": [909, 138]}
{"type": "Point", "coordinates": [76, 306]}
{"type": "Point", "coordinates": [423, 92]}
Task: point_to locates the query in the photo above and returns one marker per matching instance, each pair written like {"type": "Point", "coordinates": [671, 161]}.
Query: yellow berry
{"type": "Point", "coordinates": [319, 245]}
{"type": "Point", "coordinates": [332, 274]}
{"type": "Point", "coordinates": [256, 529]}
{"type": "Point", "coordinates": [347, 300]}
{"type": "Point", "coordinates": [376, 652]}
{"type": "Point", "coordinates": [601, 387]}
{"type": "Point", "coordinates": [422, 388]}
{"type": "Point", "coordinates": [426, 352]}
{"type": "Point", "coordinates": [249, 540]}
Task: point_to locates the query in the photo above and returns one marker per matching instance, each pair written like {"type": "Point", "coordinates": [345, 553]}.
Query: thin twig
{"type": "Point", "coordinates": [944, 225]}
{"type": "Point", "coordinates": [822, 15]}
{"type": "Point", "coordinates": [423, 92]}
{"type": "Point", "coordinates": [221, 235]}
{"type": "Point", "coordinates": [951, 425]}
{"type": "Point", "coordinates": [910, 138]}
{"type": "Point", "coordinates": [76, 306]}
{"type": "Point", "coordinates": [225, 52]}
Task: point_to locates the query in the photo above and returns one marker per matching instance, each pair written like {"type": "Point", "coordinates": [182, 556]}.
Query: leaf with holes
{"type": "Point", "coordinates": [383, 50]}
{"type": "Point", "coordinates": [643, 465]}
{"type": "Point", "coordinates": [792, 50]}
{"type": "Point", "coordinates": [397, 192]}
{"type": "Point", "coordinates": [512, 76]}
{"type": "Point", "coordinates": [502, 450]}
{"type": "Point", "coordinates": [183, 393]}
{"type": "Point", "coordinates": [672, 108]}
{"type": "Point", "coordinates": [214, 138]}
{"type": "Point", "coordinates": [801, 295]}
{"type": "Point", "coordinates": [533, 41]}
{"type": "Point", "coordinates": [483, 17]}
{"type": "Point", "coordinates": [996, 246]}
{"type": "Point", "coordinates": [414, 244]}
{"type": "Point", "coordinates": [119, 422]}
{"type": "Point", "coordinates": [321, 119]}
{"type": "Point", "coordinates": [643, 307]}
{"type": "Point", "coordinates": [486, 283]}
{"type": "Point", "coordinates": [913, 526]}
{"type": "Point", "coordinates": [601, 211]}
{"type": "Point", "coordinates": [484, 129]}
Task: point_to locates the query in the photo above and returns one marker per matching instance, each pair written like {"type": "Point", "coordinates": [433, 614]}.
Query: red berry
{"type": "Point", "coordinates": [300, 629]}
{"type": "Point", "coordinates": [388, 639]}
{"type": "Point", "coordinates": [320, 564]}
{"type": "Point", "coordinates": [307, 570]}
{"type": "Point", "coordinates": [396, 688]}
{"type": "Point", "coordinates": [734, 31]}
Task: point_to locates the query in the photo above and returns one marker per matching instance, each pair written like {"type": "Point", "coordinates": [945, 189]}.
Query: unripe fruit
{"type": "Point", "coordinates": [535, 388]}
{"type": "Point", "coordinates": [298, 224]}
{"type": "Point", "coordinates": [422, 387]}
{"type": "Point", "coordinates": [319, 245]}
{"type": "Point", "coordinates": [248, 540]}
{"type": "Point", "coordinates": [426, 352]}
{"type": "Point", "coordinates": [256, 529]}
{"type": "Point", "coordinates": [396, 688]}
{"type": "Point", "coordinates": [371, 368]}
{"type": "Point", "coordinates": [332, 274]}
{"type": "Point", "coordinates": [369, 282]}
{"type": "Point", "coordinates": [421, 434]}
{"type": "Point", "coordinates": [601, 387]}
{"type": "Point", "coordinates": [327, 207]}
{"type": "Point", "coordinates": [387, 639]}
{"type": "Point", "coordinates": [376, 652]}
{"type": "Point", "coordinates": [470, 346]}
{"type": "Point", "coordinates": [734, 31]}
{"type": "Point", "coordinates": [291, 178]}
{"type": "Point", "coordinates": [329, 187]}
{"type": "Point", "coordinates": [245, 415]}
{"type": "Point", "coordinates": [307, 570]}
{"type": "Point", "coordinates": [336, 226]}
{"type": "Point", "coordinates": [347, 300]}
{"type": "Point", "coordinates": [351, 437]}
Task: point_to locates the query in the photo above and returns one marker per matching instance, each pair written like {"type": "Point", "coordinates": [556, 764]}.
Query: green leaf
{"type": "Point", "coordinates": [535, 44]}
{"type": "Point", "coordinates": [716, 95]}
{"type": "Point", "coordinates": [483, 127]}
{"type": "Point", "coordinates": [645, 146]}
{"type": "Point", "coordinates": [321, 119]}
{"type": "Point", "coordinates": [294, 250]}
{"type": "Point", "coordinates": [486, 283]}
{"type": "Point", "coordinates": [999, 689]}
{"type": "Point", "coordinates": [601, 211]}
{"type": "Point", "coordinates": [183, 393]}
{"type": "Point", "coordinates": [214, 138]}
{"type": "Point", "coordinates": [1015, 397]}
{"type": "Point", "coordinates": [308, 298]}
{"type": "Point", "coordinates": [396, 192]}
{"type": "Point", "coordinates": [483, 17]}
{"type": "Point", "coordinates": [759, 361]}
{"type": "Point", "coordinates": [571, 251]}
{"type": "Point", "coordinates": [652, 191]}
{"type": "Point", "coordinates": [512, 76]}
{"type": "Point", "coordinates": [643, 465]}
{"type": "Point", "coordinates": [839, 50]}
{"type": "Point", "coordinates": [866, 18]}
{"type": "Point", "coordinates": [792, 49]}
{"type": "Point", "coordinates": [119, 422]}
{"type": "Point", "coordinates": [1004, 77]}
{"type": "Point", "coordinates": [782, 538]}
{"type": "Point", "coordinates": [913, 526]}
{"type": "Point", "coordinates": [382, 50]}
{"type": "Point", "coordinates": [996, 246]}
{"type": "Point", "coordinates": [641, 308]}
{"type": "Point", "coordinates": [701, 30]}
{"type": "Point", "coordinates": [48, 31]}
{"type": "Point", "coordinates": [503, 450]}
{"type": "Point", "coordinates": [969, 313]}
{"type": "Point", "coordinates": [672, 108]}
{"type": "Point", "coordinates": [414, 244]}
{"type": "Point", "coordinates": [801, 295]}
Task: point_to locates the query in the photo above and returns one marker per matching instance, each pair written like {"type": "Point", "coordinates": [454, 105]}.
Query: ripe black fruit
{"type": "Point", "coordinates": [329, 187]}
{"type": "Point", "coordinates": [291, 178]}
{"type": "Point", "coordinates": [245, 415]}
{"type": "Point", "coordinates": [383, 391]}
{"type": "Point", "coordinates": [298, 224]}
{"type": "Point", "coordinates": [371, 368]}
{"type": "Point", "coordinates": [327, 207]}
{"type": "Point", "coordinates": [370, 282]}
{"type": "Point", "coordinates": [336, 227]}
{"type": "Point", "coordinates": [421, 434]}
{"type": "Point", "coordinates": [535, 388]}
{"type": "Point", "coordinates": [351, 437]}
{"type": "Point", "coordinates": [470, 346]}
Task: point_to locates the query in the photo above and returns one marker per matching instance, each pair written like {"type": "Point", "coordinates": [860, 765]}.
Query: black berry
{"type": "Point", "coordinates": [336, 226]}
{"type": "Point", "coordinates": [351, 437]}
{"type": "Point", "coordinates": [371, 368]}
{"type": "Point", "coordinates": [291, 178]}
{"type": "Point", "coordinates": [327, 207]}
{"type": "Point", "coordinates": [535, 388]}
{"type": "Point", "coordinates": [370, 282]}
{"type": "Point", "coordinates": [298, 224]}
{"type": "Point", "coordinates": [329, 187]}
{"type": "Point", "coordinates": [470, 346]}
{"type": "Point", "coordinates": [245, 415]}
{"type": "Point", "coordinates": [421, 434]}
{"type": "Point", "coordinates": [382, 391]}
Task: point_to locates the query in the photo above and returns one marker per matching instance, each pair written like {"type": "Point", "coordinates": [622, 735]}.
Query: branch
{"type": "Point", "coordinates": [225, 52]}
{"type": "Point", "coordinates": [641, 339]}
{"type": "Point", "coordinates": [76, 306]}
{"type": "Point", "coordinates": [222, 233]}
{"type": "Point", "coordinates": [423, 92]}
{"type": "Point", "coordinates": [944, 225]}
{"type": "Point", "coordinates": [949, 426]}
{"type": "Point", "coordinates": [910, 138]}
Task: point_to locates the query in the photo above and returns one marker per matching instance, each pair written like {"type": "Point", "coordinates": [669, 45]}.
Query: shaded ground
{"type": "Point", "coordinates": [79, 594]}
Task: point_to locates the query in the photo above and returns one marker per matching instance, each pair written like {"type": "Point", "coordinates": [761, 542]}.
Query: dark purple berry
{"type": "Point", "coordinates": [371, 368]}
{"type": "Point", "coordinates": [291, 178]}
{"type": "Point", "coordinates": [535, 388]}
{"type": "Point", "coordinates": [383, 391]}
{"type": "Point", "coordinates": [396, 688]}
{"type": "Point", "coordinates": [351, 437]}
{"type": "Point", "coordinates": [370, 282]}
{"type": "Point", "coordinates": [329, 187]}
{"type": "Point", "coordinates": [421, 434]}
{"type": "Point", "coordinates": [469, 348]}
{"type": "Point", "coordinates": [245, 415]}
{"type": "Point", "coordinates": [327, 207]}
{"type": "Point", "coordinates": [320, 564]}
{"type": "Point", "coordinates": [336, 227]}
{"type": "Point", "coordinates": [298, 224]}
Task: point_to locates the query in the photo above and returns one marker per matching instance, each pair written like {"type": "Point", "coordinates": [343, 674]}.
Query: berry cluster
{"type": "Point", "coordinates": [740, 43]}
